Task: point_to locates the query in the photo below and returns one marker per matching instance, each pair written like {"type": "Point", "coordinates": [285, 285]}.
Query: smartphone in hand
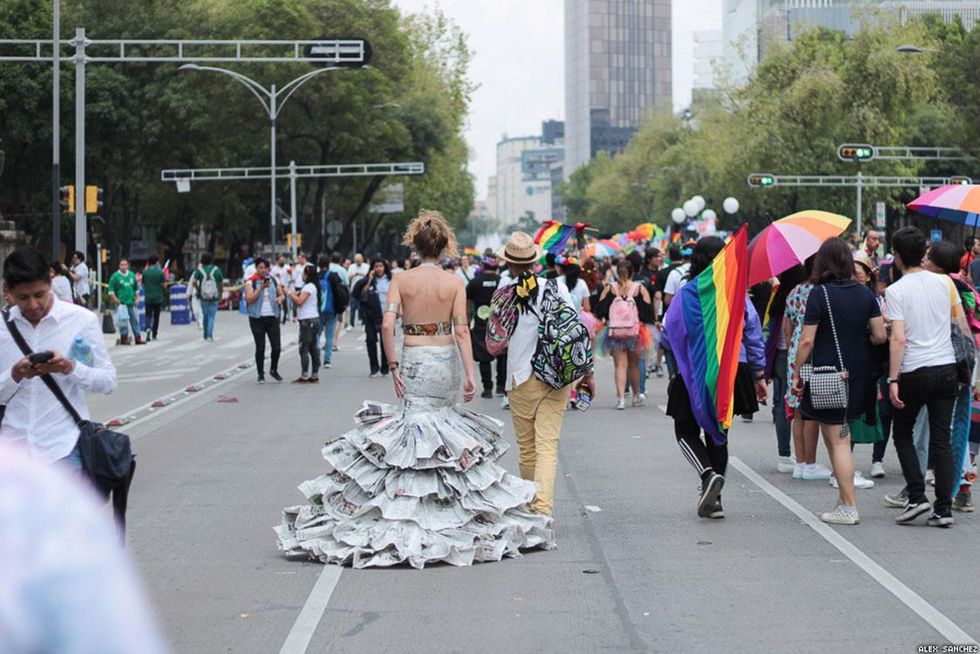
{"type": "Point", "coordinates": [40, 357]}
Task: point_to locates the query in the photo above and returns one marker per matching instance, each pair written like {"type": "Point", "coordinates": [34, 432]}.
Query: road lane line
{"type": "Point", "coordinates": [946, 627]}
{"type": "Point", "coordinates": [309, 617]}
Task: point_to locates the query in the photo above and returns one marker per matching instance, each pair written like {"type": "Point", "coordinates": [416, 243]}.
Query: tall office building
{"type": "Point", "coordinates": [707, 58]}
{"type": "Point", "coordinates": [617, 68]}
{"type": "Point", "coordinates": [740, 39]}
{"type": "Point", "coordinates": [523, 179]}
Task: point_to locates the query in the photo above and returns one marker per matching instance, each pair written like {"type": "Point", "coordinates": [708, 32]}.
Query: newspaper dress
{"type": "Point", "coordinates": [416, 483]}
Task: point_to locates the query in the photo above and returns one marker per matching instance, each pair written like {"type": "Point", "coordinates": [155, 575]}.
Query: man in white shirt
{"type": "Point", "coordinates": [678, 276]}
{"type": "Point", "coordinates": [357, 270]}
{"type": "Point", "coordinates": [79, 278]}
{"type": "Point", "coordinates": [34, 417]}
{"type": "Point", "coordinates": [537, 409]}
{"type": "Point", "coordinates": [922, 373]}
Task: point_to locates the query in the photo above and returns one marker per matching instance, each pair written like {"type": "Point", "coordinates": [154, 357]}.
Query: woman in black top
{"type": "Point", "coordinates": [838, 303]}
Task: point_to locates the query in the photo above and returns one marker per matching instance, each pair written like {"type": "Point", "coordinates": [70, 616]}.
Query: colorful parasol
{"type": "Point", "coordinates": [790, 240]}
{"type": "Point", "coordinates": [599, 250]}
{"type": "Point", "coordinates": [956, 203]}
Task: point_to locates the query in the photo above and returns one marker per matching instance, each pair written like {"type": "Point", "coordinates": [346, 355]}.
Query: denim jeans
{"type": "Point", "coordinates": [784, 430]}
{"type": "Point", "coordinates": [128, 319]}
{"type": "Point", "coordinates": [885, 413]}
{"type": "Point", "coordinates": [959, 441]}
{"type": "Point", "coordinates": [209, 309]}
{"type": "Point", "coordinates": [328, 327]}
{"type": "Point", "coordinates": [642, 365]}
{"type": "Point", "coordinates": [309, 352]}
{"type": "Point", "coordinates": [355, 304]}
{"type": "Point", "coordinates": [262, 328]}
{"type": "Point", "coordinates": [935, 388]}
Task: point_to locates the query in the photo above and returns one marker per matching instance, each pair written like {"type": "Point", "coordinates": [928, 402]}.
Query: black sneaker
{"type": "Point", "coordinates": [275, 375]}
{"type": "Point", "coordinates": [710, 490]}
{"type": "Point", "coordinates": [912, 511]}
{"type": "Point", "coordinates": [487, 394]}
{"type": "Point", "coordinates": [936, 520]}
{"type": "Point", "coordinates": [261, 379]}
{"type": "Point", "coordinates": [716, 511]}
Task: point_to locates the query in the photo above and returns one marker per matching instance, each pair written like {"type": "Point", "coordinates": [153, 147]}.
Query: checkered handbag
{"type": "Point", "coordinates": [828, 385]}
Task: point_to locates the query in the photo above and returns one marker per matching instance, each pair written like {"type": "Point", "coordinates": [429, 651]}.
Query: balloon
{"type": "Point", "coordinates": [730, 205]}
{"type": "Point", "coordinates": [678, 215]}
{"type": "Point", "coordinates": [699, 201]}
{"type": "Point", "coordinates": [691, 208]}
{"type": "Point", "coordinates": [709, 215]}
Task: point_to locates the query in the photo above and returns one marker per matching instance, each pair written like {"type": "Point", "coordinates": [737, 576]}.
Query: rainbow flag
{"type": "Point", "coordinates": [704, 327]}
{"type": "Point", "coordinates": [554, 236]}
{"type": "Point", "coordinates": [471, 252]}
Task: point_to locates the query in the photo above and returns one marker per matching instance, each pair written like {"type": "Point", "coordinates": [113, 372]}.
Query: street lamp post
{"type": "Point", "coordinates": [271, 102]}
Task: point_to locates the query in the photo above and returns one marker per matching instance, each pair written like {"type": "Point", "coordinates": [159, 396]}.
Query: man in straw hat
{"type": "Point", "coordinates": [537, 408]}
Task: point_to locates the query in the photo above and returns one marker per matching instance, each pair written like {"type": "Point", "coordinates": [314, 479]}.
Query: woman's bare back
{"type": "Point", "coordinates": [428, 294]}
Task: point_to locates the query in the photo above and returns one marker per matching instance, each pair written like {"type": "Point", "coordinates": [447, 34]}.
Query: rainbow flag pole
{"type": "Point", "coordinates": [704, 327]}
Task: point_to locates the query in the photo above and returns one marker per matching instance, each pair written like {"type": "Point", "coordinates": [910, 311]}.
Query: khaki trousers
{"type": "Point", "coordinates": [538, 411]}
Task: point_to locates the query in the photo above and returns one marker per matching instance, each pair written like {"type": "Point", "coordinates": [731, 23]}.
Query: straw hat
{"type": "Point", "coordinates": [520, 250]}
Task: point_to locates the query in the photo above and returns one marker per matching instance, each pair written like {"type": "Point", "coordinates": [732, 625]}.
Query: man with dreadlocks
{"type": "Point", "coordinates": [537, 409]}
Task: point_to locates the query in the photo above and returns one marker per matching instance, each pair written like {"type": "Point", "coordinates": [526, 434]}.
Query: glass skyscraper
{"type": "Point", "coordinates": [617, 67]}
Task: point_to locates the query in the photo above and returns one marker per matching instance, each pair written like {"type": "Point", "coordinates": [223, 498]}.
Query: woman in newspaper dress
{"type": "Point", "coordinates": [418, 483]}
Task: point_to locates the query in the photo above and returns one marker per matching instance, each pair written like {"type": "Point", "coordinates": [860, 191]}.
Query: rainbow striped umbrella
{"type": "Point", "coordinates": [955, 203]}
{"type": "Point", "coordinates": [599, 250]}
{"type": "Point", "coordinates": [790, 240]}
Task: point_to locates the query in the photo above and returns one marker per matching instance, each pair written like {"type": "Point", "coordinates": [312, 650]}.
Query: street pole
{"type": "Point", "coordinates": [858, 216]}
{"type": "Point", "coordinates": [98, 276]}
{"type": "Point", "coordinates": [81, 229]}
{"type": "Point", "coordinates": [292, 204]}
{"type": "Point", "coordinates": [272, 187]}
{"type": "Point", "coordinates": [56, 133]}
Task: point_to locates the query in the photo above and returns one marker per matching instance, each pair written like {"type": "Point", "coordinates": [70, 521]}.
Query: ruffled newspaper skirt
{"type": "Point", "coordinates": [416, 483]}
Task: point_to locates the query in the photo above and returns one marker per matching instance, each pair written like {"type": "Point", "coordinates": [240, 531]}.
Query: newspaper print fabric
{"type": "Point", "coordinates": [416, 483]}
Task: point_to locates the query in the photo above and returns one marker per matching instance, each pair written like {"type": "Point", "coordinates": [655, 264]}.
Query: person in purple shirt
{"type": "Point", "coordinates": [706, 454]}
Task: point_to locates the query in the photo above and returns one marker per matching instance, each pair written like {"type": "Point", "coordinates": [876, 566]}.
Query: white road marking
{"type": "Point", "coordinates": [946, 627]}
{"type": "Point", "coordinates": [235, 343]}
{"type": "Point", "coordinates": [309, 617]}
{"type": "Point", "coordinates": [148, 377]}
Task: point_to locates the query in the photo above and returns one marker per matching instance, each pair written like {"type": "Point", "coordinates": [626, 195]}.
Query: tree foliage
{"type": "Point", "coordinates": [801, 102]}
{"type": "Point", "coordinates": [409, 105]}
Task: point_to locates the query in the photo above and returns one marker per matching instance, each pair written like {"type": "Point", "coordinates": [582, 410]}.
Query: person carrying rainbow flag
{"type": "Point", "coordinates": [716, 337]}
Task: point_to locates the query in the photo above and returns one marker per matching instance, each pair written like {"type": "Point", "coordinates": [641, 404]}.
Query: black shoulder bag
{"type": "Point", "coordinates": [107, 455]}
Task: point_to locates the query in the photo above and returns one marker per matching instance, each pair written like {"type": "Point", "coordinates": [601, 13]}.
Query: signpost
{"type": "Point", "coordinates": [880, 215]}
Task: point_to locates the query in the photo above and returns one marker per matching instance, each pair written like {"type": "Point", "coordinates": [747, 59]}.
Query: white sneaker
{"type": "Point", "coordinates": [859, 481]}
{"type": "Point", "coordinates": [639, 399]}
{"type": "Point", "coordinates": [816, 472]}
{"type": "Point", "coordinates": [798, 470]}
{"type": "Point", "coordinates": [621, 404]}
{"type": "Point", "coordinates": [930, 478]}
{"type": "Point", "coordinates": [785, 464]}
{"type": "Point", "coordinates": [505, 403]}
{"type": "Point", "coordinates": [841, 516]}
{"type": "Point", "coordinates": [877, 470]}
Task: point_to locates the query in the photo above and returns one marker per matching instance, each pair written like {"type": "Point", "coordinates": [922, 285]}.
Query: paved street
{"type": "Point", "coordinates": [635, 569]}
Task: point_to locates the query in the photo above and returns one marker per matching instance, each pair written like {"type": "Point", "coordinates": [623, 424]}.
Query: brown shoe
{"type": "Point", "coordinates": [313, 380]}
{"type": "Point", "coordinates": [300, 380]}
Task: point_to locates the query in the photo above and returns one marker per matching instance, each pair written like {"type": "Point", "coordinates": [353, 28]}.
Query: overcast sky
{"type": "Point", "coordinates": [518, 63]}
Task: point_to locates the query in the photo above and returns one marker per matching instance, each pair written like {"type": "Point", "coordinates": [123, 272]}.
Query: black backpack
{"type": "Point", "coordinates": [340, 293]}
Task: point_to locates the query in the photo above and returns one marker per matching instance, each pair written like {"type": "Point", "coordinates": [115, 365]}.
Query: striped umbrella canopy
{"type": "Point", "coordinates": [955, 203]}
{"type": "Point", "coordinates": [790, 240]}
{"type": "Point", "coordinates": [599, 250]}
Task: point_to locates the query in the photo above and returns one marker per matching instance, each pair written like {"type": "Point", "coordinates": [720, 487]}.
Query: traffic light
{"type": "Point", "coordinates": [299, 241]}
{"type": "Point", "coordinates": [93, 199]}
{"type": "Point", "coordinates": [856, 152]}
{"type": "Point", "coordinates": [67, 201]}
{"type": "Point", "coordinates": [761, 180]}
{"type": "Point", "coordinates": [960, 180]}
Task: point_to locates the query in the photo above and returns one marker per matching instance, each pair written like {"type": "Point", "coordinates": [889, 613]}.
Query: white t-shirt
{"type": "Point", "coordinates": [282, 275]}
{"type": "Point", "coordinates": [62, 288]}
{"type": "Point", "coordinates": [81, 286]}
{"type": "Point", "coordinates": [308, 309]}
{"type": "Point", "coordinates": [268, 307]}
{"type": "Point", "coordinates": [356, 271]}
{"type": "Point", "coordinates": [924, 302]}
{"type": "Point", "coordinates": [579, 294]}
{"type": "Point", "coordinates": [676, 279]}
{"type": "Point", "coordinates": [297, 281]}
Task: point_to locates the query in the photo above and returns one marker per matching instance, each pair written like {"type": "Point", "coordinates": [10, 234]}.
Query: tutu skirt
{"type": "Point", "coordinates": [641, 343]}
{"type": "Point", "coordinates": [591, 322]}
